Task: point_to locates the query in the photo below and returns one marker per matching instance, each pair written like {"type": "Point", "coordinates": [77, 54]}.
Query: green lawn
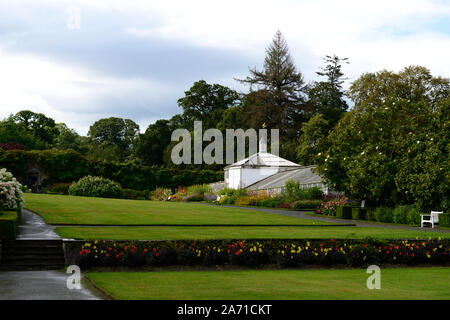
{"type": "Point", "coordinates": [175, 233]}
{"type": "Point", "coordinates": [58, 209]}
{"type": "Point", "coordinates": [402, 283]}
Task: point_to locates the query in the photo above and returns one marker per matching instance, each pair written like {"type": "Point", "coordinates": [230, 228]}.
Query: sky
{"type": "Point", "coordinates": [79, 61]}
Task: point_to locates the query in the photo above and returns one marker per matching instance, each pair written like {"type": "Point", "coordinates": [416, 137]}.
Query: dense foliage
{"type": "Point", "coordinates": [393, 147]}
{"type": "Point", "coordinates": [95, 187]}
{"type": "Point", "coordinates": [69, 166]}
{"type": "Point", "coordinates": [11, 195]}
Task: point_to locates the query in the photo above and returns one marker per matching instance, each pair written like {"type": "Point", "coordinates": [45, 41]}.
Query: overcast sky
{"type": "Point", "coordinates": [134, 59]}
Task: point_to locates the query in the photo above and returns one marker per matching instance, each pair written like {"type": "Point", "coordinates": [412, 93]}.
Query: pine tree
{"type": "Point", "coordinates": [277, 93]}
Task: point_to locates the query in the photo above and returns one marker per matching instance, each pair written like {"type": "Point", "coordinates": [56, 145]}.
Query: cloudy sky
{"type": "Point", "coordinates": [135, 58]}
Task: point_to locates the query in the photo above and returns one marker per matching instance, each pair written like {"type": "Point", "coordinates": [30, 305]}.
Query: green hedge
{"type": "Point", "coordinates": [306, 204]}
{"type": "Point", "coordinates": [256, 252]}
{"type": "Point", "coordinates": [9, 224]}
{"type": "Point", "coordinates": [344, 212]}
{"type": "Point", "coordinates": [444, 220]}
{"type": "Point", "coordinates": [359, 213]}
{"type": "Point", "coordinates": [68, 166]}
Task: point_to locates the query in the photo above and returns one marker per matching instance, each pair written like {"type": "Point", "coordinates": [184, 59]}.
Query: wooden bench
{"type": "Point", "coordinates": [432, 218]}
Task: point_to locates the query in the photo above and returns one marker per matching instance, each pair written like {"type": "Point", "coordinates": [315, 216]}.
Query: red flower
{"type": "Point", "coordinates": [125, 247]}
{"type": "Point", "coordinates": [241, 244]}
{"type": "Point", "coordinates": [117, 256]}
{"type": "Point", "coordinates": [157, 254]}
{"type": "Point", "coordinates": [365, 245]}
{"type": "Point", "coordinates": [145, 250]}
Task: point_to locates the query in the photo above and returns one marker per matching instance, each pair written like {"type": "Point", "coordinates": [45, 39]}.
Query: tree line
{"type": "Point", "coordinates": [392, 147]}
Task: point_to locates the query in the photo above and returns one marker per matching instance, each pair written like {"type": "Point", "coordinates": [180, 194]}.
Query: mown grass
{"type": "Point", "coordinates": [58, 209]}
{"type": "Point", "coordinates": [340, 284]}
{"type": "Point", "coordinates": [248, 232]}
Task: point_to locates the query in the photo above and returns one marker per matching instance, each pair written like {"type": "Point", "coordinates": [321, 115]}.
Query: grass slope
{"type": "Point", "coordinates": [404, 283]}
{"type": "Point", "coordinates": [175, 233]}
{"type": "Point", "coordinates": [57, 209]}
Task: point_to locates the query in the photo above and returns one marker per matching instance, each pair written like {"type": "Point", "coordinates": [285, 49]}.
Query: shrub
{"type": "Point", "coordinates": [294, 191]}
{"type": "Point", "coordinates": [11, 195]}
{"type": "Point", "coordinates": [344, 212]}
{"type": "Point", "coordinates": [359, 213]}
{"type": "Point", "coordinates": [371, 214]}
{"type": "Point", "coordinates": [9, 223]}
{"type": "Point", "coordinates": [135, 194]}
{"type": "Point", "coordinates": [199, 189]}
{"type": "Point", "coordinates": [444, 220]}
{"type": "Point", "coordinates": [161, 194]}
{"type": "Point", "coordinates": [400, 214]}
{"type": "Point", "coordinates": [384, 214]}
{"type": "Point", "coordinates": [306, 204]}
{"type": "Point", "coordinates": [312, 194]}
{"type": "Point", "coordinates": [60, 188]}
{"type": "Point", "coordinates": [243, 201]}
{"type": "Point", "coordinates": [330, 206]}
{"type": "Point", "coordinates": [229, 196]}
{"type": "Point", "coordinates": [95, 187]}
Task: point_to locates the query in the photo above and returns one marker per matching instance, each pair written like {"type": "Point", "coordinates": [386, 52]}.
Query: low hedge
{"type": "Point", "coordinates": [306, 204]}
{"type": "Point", "coordinates": [282, 252]}
{"type": "Point", "coordinates": [344, 212]}
{"type": "Point", "coordinates": [9, 224]}
{"type": "Point", "coordinates": [444, 220]}
{"type": "Point", "coordinates": [359, 213]}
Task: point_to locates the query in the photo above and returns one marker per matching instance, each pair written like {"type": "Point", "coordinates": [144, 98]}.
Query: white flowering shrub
{"type": "Point", "coordinates": [11, 195]}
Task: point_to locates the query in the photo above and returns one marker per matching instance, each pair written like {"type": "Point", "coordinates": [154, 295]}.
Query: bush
{"type": "Point", "coordinates": [11, 195]}
{"type": "Point", "coordinates": [161, 194]}
{"type": "Point", "coordinates": [330, 206]}
{"type": "Point", "coordinates": [9, 224]}
{"type": "Point", "coordinates": [444, 220]}
{"type": "Point", "coordinates": [95, 187]}
{"type": "Point", "coordinates": [401, 214]}
{"type": "Point", "coordinates": [294, 191]}
{"type": "Point", "coordinates": [344, 212]}
{"type": "Point", "coordinates": [199, 189]}
{"type": "Point", "coordinates": [306, 204]}
{"type": "Point", "coordinates": [243, 201]}
{"type": "Point", "coordinates": [371, 214]}
{"type": "Point", "coordinates": [384, 214]}
{"type": "Point", "coordinates": [359, 213]}
{"type": "Point", "coordinates": [135, 194]}
{"type": "Point", "coordinates": [60, 188]}
{"type": "Point", "coordinates": [413, 218]}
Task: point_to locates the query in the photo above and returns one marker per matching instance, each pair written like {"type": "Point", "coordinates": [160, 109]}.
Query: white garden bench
{"type": "Point", "coordinates": [432, 218]}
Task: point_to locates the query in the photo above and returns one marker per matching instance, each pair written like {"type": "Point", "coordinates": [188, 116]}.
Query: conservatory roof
{"type": "Point", "coordinates": [304, 175]}
{"type": "Point", "coordinates": [263, 159]}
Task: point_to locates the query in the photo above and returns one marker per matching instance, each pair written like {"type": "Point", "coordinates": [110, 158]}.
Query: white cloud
{"type": "Point", "coordinates": [375, 35]}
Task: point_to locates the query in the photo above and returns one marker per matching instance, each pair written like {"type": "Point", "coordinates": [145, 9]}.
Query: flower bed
{"type": "Point", "coordinates": [256, 252]}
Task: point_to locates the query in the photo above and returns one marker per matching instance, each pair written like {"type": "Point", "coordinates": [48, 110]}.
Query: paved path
{"type": "Point", "coordinates": [305, 215]}
{"type": "Point", "coordinates": [33, 227]}
{"type": "Point", "coordinates": [39, 285]}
